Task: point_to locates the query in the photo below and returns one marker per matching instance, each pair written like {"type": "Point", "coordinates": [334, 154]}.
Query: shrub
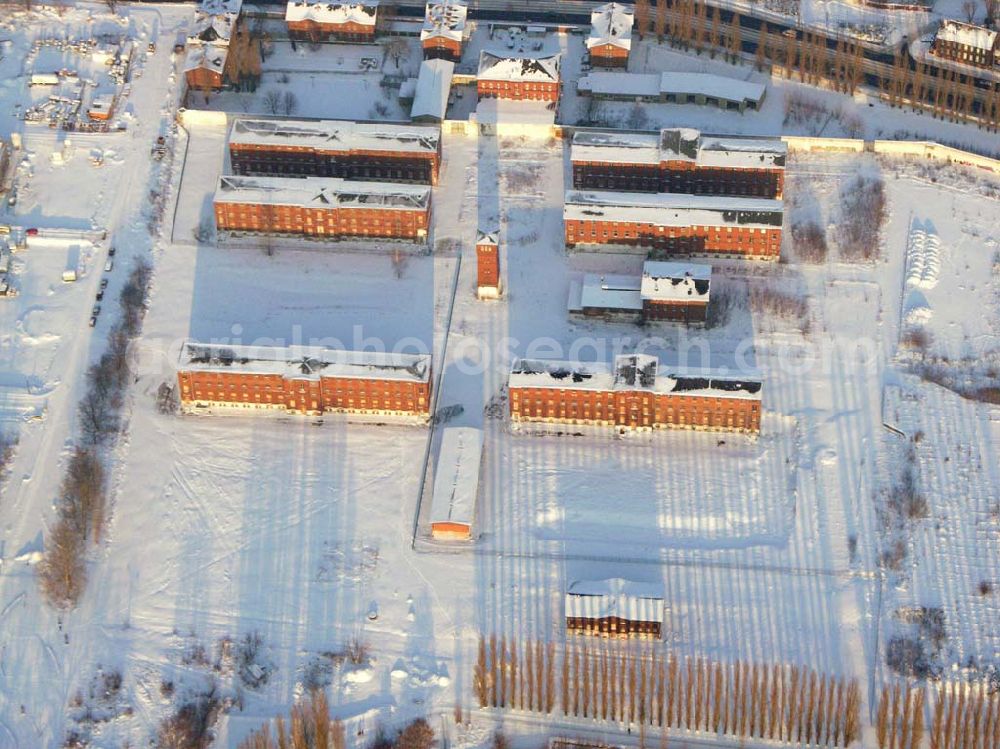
{"type": "Point", "coordinates": [809, 240]}
{"type": "Point", "coordinates": [190, 726]}
{"type": "Point", "coordinates": [417, 735]}
{"type": "Point", "coordinates": [862, 214]}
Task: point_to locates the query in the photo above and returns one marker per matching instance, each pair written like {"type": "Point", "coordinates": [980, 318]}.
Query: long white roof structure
{"type": "Point", "coordinates": [673, 209]}
{"type": "Point", "coordinates": [500, 67]}
{"type": "Point", "coordinates": [322, 192]}
{"type": "Point", "coordinates": [652, 85]}
{"type": "Point", "coordinates": [336, 135]}
{"type": "Point", "coordinates": [445, 18]}
{"type": "Point", "coordinates": [303, 362]}
{"type": "Point", "coordinates": [634, 372]}
{"type": "Point", "coordinates": [678, 144]}
{"type": "Point", "coordinates": [361, 12]}
{"type": "Point", "coordinates": [611, 24]}
{"type": "Point", "coordinates": [430, 99]}
{"type": "Point", "coordinates": [967, 34]}
{"type": "Point", "coordinates": [617, 598]}
{"type": "Point", "coordinates": [456, 480]}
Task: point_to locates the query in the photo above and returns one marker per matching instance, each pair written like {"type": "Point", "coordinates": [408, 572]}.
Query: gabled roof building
{"type": "Point", "coordinates": [967, 43]}
{"type": "Point", "coordinates": [677, 292]}
{"type": "Point", "coordinates": [519, 76]}
{"type": "Point", "coordinates": [319, 20]}
{"type": "Point", "coordinates": [444, 29]}
{"type": "Point", "coordinates": [610, 39]}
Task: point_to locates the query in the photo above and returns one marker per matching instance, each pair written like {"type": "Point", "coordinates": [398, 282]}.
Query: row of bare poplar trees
{"type": "Point", "coordinates": [697, 25]}
{"type": "Point", "coordinates": [614, 681]}
{"type": "Point", "coordinates": [962, 716]}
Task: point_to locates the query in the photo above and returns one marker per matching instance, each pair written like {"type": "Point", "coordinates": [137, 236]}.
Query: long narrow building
{"type": "Point", "coordinates": [304, 380]}
{"type": "Point", "coordinates": [322, 208]}
{"type": "Point", "coordinates": [672, 224]}
{"type": "Point", "coordinates": [336, 148]}
{"type": "Point", "coordinates": [319, 20]}
{"type": "Point", "coordinates": [678, 160]}
{"type": "Point", "coordinates": [634, 393]}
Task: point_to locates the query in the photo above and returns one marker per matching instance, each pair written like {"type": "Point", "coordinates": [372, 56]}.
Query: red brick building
{"type": "Point", "coordinates": [518, 77]}
{"type": "Point", "coordinates": [967, 43]}
{"type": "Point", "coordinates": [488, 263]}
{"type": "Point", "coordinates": [615, 608]}
{"type": "Point", "coordinates": [321, 20]}
{"type": "Point", "coordinates": [304, 380]}
{"type": "Point", "coordinates": [666, 291]}
{"type": "Point", "coordinates": [444, 31]}
{"type": "Point", "coordinates": [207, 63]}
{"type": "Point", "coordinates": [670, 224]}
{"type": "Point", "coordinates": [678, 160]}
{"type": "Point", "coordinates": [322, 208]}
{"type": "Point", "coordinates": [633, 394]}
{"type": "Point", "coordinates": [610, 39]}
{"type": "Point", "coordinates": [336, 148]}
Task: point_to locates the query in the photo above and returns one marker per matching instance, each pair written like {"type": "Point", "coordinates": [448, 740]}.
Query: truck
{"type": "Point", "coordinates": [72, 265]}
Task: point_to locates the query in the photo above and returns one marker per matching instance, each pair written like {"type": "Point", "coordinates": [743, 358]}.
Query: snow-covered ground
{"type": "Point", "coordinates": [310, 533]}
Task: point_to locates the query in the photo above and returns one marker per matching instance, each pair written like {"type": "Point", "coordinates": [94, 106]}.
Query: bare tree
{"type": "Point", "coordinates": [289, 103]}
{"type": "Point", "coordinates": [272, 101]}
{"type": "Point", "coordinates": [969, 8]}
{"type": "Point", "coordinates": [62, 573]}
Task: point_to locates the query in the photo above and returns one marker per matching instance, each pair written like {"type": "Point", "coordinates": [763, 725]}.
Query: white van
{"type": "Point", "coordinates": [109, 265]}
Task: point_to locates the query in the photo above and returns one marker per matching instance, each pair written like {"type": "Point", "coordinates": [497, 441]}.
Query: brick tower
{"type": "Point", "coordinates": [488, 263]}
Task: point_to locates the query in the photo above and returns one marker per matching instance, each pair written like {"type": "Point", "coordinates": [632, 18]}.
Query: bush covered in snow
{"type": "Point", "coordinates": [862, 214]}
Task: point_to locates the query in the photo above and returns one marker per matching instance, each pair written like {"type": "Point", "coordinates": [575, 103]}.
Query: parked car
{"type": "Point", "coordinates": [32, 232]}
{"type": "Point", "coordinates": [100, 295]}
{"type": "Point", "coordinates": [109, 265]}
{"type": "Point", "coordinates": [93, 320]}
{"type": "Point", "coordinates": [151, 48]}
{"type": "Point", "coordinates": [104, 284]}
{"type": "Point", "coordinates": [112, 251]}
{"type": "Point", "coordinates": [96, 311]}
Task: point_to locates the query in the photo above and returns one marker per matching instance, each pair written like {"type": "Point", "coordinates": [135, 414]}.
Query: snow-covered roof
{"type": "Point", "coordinates": [303, 362]}
{"type": "Point", "coordinates": [678, 144]}
{"type": "Point", "coordinates": [519, 67]}
{"type": "Point", "coordinates": [361, 12]}
{"type": "Point", "coordinates": [634, 372]}
{"type": "Point", "coordinates": [489, 235]}
{"type": "Point", "coordinates": [673, 209]}
{"type": "Point", "coordinates": [651, 85]}
{"type": "Point", "coordinates": [615, 597]}
{"type": "Point", "coordinates": [214, 21]}
{"type": "Point", "coordinates": [206, 56]}
{"type": "Point", "coordinates": [445, 18]}
{"type": "Point", "coordinates": [720, 87]}
{"type": "Point", "coordinates": [430, 99]}
{"type": "Point", "coordinates": [675, 282]}
{"type": "Point", "coordinates": [322, 192]}
{"type": "Point", "coordinates": [610, 292]}
{"type": "Point", "coordinates": [456, 481]}
{"type": "Point", "coordinates": [611, 24]}
{"type": "Point", "coordinates": [336, 135]}
{"type": "Point", "coordinates": [966, 34]}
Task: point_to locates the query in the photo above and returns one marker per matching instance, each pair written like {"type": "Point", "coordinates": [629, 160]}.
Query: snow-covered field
{"type": "Point", "coordinates": [304, 536]}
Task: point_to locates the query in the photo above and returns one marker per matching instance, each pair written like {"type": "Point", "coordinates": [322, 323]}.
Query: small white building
{"type": "Point", "coordinates": [456, 483]}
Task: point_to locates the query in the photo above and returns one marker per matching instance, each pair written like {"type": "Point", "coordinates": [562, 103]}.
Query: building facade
{"type": "Point", "coordinates": [444, 30]}
{"type": "Point", "coordinates": [633, 394]}
{"type": "Point", "coordinates": [303, 380]}
{"type": "Point", "coordinates": [669, 224]}
{"type": "Point", "coordinates": [518, 77]}
{"type": "Point", "coordinates": [679, 161]}
{"type": "Point", "coordinates": [322, 208]}
{"type": "Point", "coordinates": [320, 20]}
{"type": "Point", "coordinates": [610, 39]}
{"type": "Point", "coordinates": [488, 263]}
{"type": "Point", "coordinates": [336, 148]}
{"type": "Point", "coordinates": [967, 43]}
